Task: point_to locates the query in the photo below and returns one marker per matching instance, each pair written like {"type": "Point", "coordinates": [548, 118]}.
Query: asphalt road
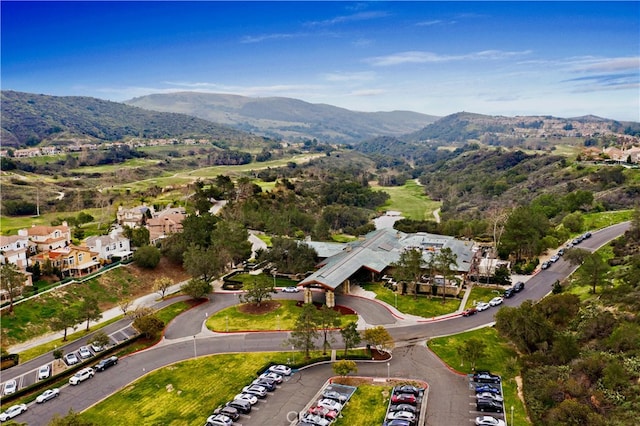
{"type": "Point", "coordinates": [447, 389]}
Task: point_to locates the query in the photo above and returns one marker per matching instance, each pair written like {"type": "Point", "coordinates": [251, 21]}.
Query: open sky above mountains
{"type": "Point", "coordinates": [503, 58]}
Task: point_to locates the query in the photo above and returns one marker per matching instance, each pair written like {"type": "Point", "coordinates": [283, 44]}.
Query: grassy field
{"type": "Point", "coordinates": [499, 358]}
{"type": "Point", "coordinates": [422, 306]}
{"type": "Point", "coordinates": [601, 220]}
{"type": "Point", "coordinates": [282, 318]}
{"type": "Point", "coordinates": [367, 406]}
{"type": "Point", "coordinates": [481, 294]}
{"type": "Point", "coordinates": [410, 200]}
{"type": "Point", "coordinates": [184, 393]}
{"type": "Point", "coordinates": [9, 225]}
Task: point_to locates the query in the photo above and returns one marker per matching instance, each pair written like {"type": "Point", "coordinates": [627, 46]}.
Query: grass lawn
{"type": "Point", "coordinates": [601, 220]}
{"type": "Point", "coordinates": [184, 393]}
{"type": "Point", "coordinates": [481, 294]}
{"type": "Point", "coordinates": [261, 278]}
{"type": "Point", "coordinates": [409, 199]}
{"type": "Point", "coordinates": [9, 225]}
{"type": "Point", "coordinates": [367, 406]}
{"type": "Point", "coordinates": [500, 358]}
{"type": "Point", "coordinates": [282, 318]}
{"type": "Point", "coordinates": [423, 306]}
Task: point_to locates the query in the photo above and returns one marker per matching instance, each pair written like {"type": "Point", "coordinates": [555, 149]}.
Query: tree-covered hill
{"type": "Point", "coordinates": [30, 119]}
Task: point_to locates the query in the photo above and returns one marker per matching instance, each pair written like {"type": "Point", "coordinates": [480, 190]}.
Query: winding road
{"type": "Point", "coordinates": [186, 337]}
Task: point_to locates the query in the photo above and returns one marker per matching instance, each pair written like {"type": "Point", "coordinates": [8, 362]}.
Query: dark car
{"type": "Point", "coordinates": [241, 405]}
{"type": "Point", "coordinates": [545, 264]}
{"type": "Point", "coordinates": [403, 407]}
{"type": "Point", "coordinates": [510, 292]}
{"type": "Point", "coordinates": [518, 287]}
{"type": "Point", "coordinates": [228, 411]}
{"type": "Point", "coordinates": [489, 405]}
{"type": "Point", "coordinates": [269, 385]}
{"type": "Point", "coordinates": [407, 389]}
{"type": "Point", "coordinates": [485, 377]}
{"type": "Point", "coordinates": [469, 312]}
{"type": "Point", "coordinates": [398, 422]}
{"type": "Point", "coordinates": [106, 363]}
{"type": "Point", "coordinates": [488, 388]}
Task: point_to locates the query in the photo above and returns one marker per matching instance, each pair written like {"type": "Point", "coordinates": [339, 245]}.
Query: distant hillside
{"type": "Point", "coordinates": [287, 118]}
{"type": "Point", "coordinates": [28, 119]}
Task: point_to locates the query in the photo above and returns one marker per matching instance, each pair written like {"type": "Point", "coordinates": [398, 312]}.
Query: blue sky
{"type": "Point", "coordinates": [504, 58]}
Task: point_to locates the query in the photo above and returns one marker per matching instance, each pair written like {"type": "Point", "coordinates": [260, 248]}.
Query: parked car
{"type": "Point", "coordinates": [81, 376]}
{"type": "Point", "coordinates": [508, 293]}
{"type": "Point", "coordinates": [545, 264]}
{"type": "Point", "coordinates": [84, 352]}
{"type": "Point", "coordinates": [47, 395]}
{"type": "Point", "coordinates": [324, 412]}
{"type": "Point", "coordinates": [290, 290]}
{"type": "Point", "coordinates": [482, 306]}
{"type": "Point", "coordinates": [561, 252]}
{"type": "Point", "coordinates": [397, 422]}
{"type": "Point", "coordinates": [496, 301]}
{"type": "Point", "coordinates": [401, 415]}
{"type": "Point", "coordinates": [229, 411]}
{"type": "Point", "coordinates": [330, 404]}
{"type": "Point", "coordinates": [218, 420]}
{"type": "Point", "coordinates": [259, 391]}
{"type": "Point", "coordinates": [271, 376]}
{"type": "Point", "coordinates": [13, 411]}
{"type": "Point", "coordinates": [106, 363]}
{"type": "Point", "coordinates": [489, 395]}
{"type": "Point", "coordinates": [403, 398]}
{"type": "Point", "coordinates": [485, 377]}
{"type": "Point", "coordinates": [10, 387]}
{"type": "Point", "coordinates": [71, 358]}
{"type": "Point", "coordinates": [587, 235]}
{"type": "Point", "coordinates": [252, 399]}
{"type": "Point", "coordinates": [242, 405]}
{"type": "Point", "coordinates": [489, 405]}
{"type": "Point", "coordinates": [469, 312]}
{"type": "Point", "coordinates": [336, 396]}
{"type": "Point", "coordinates": [44, 372]}
{"type": "Point", "coordinates": [280, 369]}
{"type": "Point", "coordinates": [554, 258]}
{"type": "Point", "coordinates": [96, 348]}
{"type": "Point", "coordinates": [403, 407]}
{"type": "Point", "coordinates": [488, 388]}
{"type": "Point", "coordinates": [407, 389]}
{"type": "Point", "coordinates": [518, 287]}
{"type": "Point", "coordinates": [489, 421]}
{"type": "Point", "coordinates": [314, 419]}
{"type": "Point", "coordinates": [269, 385]}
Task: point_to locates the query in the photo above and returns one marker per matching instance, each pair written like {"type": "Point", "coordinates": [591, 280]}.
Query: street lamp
{"type": "Point", "coordinates": [512, 415]}
{"type": "Point", "coordinates": [226, 318]}
{"type": "Point", "coordinates": [195, 353]}
{"type": "Point", "coordinates": [396, 295]}
{"type": "Point", "coordinates": [388, 370]}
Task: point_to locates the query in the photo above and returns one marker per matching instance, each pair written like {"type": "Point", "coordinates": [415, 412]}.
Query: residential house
{"type": "Point", "coordinates": [13, 249]}
{"type": "Point", "coordinates": [73, 261]}
{"type": "Point", "coordinates": [135, 216]}
{"type": "Point", "coordinates": [165, 223]}
{"type": "Point", "coordinates": [108, 246]}
{"type": "Point", "coordinates": [47, 237]}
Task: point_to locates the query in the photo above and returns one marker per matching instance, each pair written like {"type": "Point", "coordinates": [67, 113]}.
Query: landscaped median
{"type": "Point", "coordinates": [422, 305]}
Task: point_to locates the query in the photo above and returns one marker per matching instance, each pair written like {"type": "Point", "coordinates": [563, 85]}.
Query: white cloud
{"type": "Point", "coordinates": [360, 16]}
{"type": "Point", "coordinates": [421, 57]}
{"type": "Point", "coordinates": [349, 76]}
{"type": "Point", "coordinates": [368, 92]}
{"type": "Point", "coordinates": [275, 36]}
{"type": "Point", "coordinates": [590, 64]}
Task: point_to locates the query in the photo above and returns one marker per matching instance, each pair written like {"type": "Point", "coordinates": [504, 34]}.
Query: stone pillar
{"type": "Point", "coordinates": [346, 287]}
{"type": "Point", "coordinates": [330, 298]}
{"type": "Point", "coordinates": [308, 297]}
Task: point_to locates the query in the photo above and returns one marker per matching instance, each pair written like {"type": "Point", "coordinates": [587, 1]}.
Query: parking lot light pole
{"type": "Point", "coordinates": [512, 415]}
{"type": "Point", "coordinates": [388, 370]}
{"type": "Point", "coordinates": [195, 354]}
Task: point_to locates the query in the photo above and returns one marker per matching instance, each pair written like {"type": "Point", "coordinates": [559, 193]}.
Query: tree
{"type": "Point", "coordinates": [149, 325]}
{"type": "Point", "coordinates": [64, 319]}
{"type": "Point", "coordinates": [233, 236]}
{"type": "Point", "coordinates": [71, 419]}
{"type": "Point", "coordinates": [594, 269]}
{"type": "Point", "coordinates": [12, 282]}
{"type": "Point", "coordinates": [147, 257]}
{"type": "Point", "coordinates": [139, 236]}
{"type": "Point", "coordinates": [379, 338]}
{"type": "Point", "coordinates": [523, 232]}
{"type": "Point", "coordinates": [305, 333]}
{"type": "Point", "coordinates": [327, 320]}
{"type": "Point", "coordinates": [100, 339]}
{"type": "Point", "coordinates": [196, 288]}
{"type": "Point", "coordinates": [526, 326]}
{"type": "Point", "coordinates": [472, 350]}
{"type": "Point", "coordinates": [502, 275]}
{"type": "Point", "coordinates": [576, 256]}
{"type": "Point", "coordinates": [205, 262]}
{"type": "Point", "coordinates": [344, 367]}
{"type": "Point", "coordinates": [161, 286]}
{"type": "Point", "coordinates": [57, 354]}
{"type": "Point", "coordinates": [408, 269]}
{"type": "Point", "coordinates": [573, 221]}
{"type": "Point", "coordinates": [89, 310]}
{"type": "Point", "coordinates": [350, 336]}
{"type": "Point", "coordinates": [257, 291]}
{"type": "Point", "coordinates": [443, 260]}
{"type": "Point", "coordinates": [290, 256]}
{"type": "Point", "coordinates": [124, 304]}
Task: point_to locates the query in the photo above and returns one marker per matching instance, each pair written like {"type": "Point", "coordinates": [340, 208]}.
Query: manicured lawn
{"type": "Point", "coordinates": [499, 358]}
{"type": "Point", "coordinates": [481, 294]}
{"type": "Point", "coordinates": [11, 224]}
{"type": "Point", "coordinates": [367, 406]}
{"type": "Point", "coordinates": [261, 278]}
{"type": "Point", "coordinates": [421, 306]}
{"type": "Point", "coordinates": [184, 393]}
{"type": "Point", "coordinates": [283, 318]}
{"type": "Point", "coordinates": [409, 199]}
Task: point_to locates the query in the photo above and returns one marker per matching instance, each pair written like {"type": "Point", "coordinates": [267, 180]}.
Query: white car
{"type": "Point", "coordinates": [81, 376]}
{"type": "Point", "coordinates": [252, 399]}
{"type": "Point", "coordinates": [290, 290]}
{"type": "Point", "coordinates": [489, 395]}
{"type": "Point", "coordinates": [496, 301]}
{"type": "Point", "coordinates": [401, 415]}
{"type": "Point", "coordinates": [44, 372]}
{"type": "Point", "coordinates": [71, 358]}
{"type": "Point", "coordinates": [13, 411]}
{"type": "Point", "coordinates": [315, 420]}
{"type": "Point", "coordinates": [283, 370]}
{"type": "Point", "coordinates": [259, 391]}
{"type": "Point", "coordinates": [47, 395]}
{"type": "Point", "coordinates": [489, 421]}
{"type": "Point", "coordinates": [272, 376]}
{"type": "Point", "coordinates": [10, 387]}
{"type": "Point", "coordinates": [84, 352]}
{"type": "Point", "coordinates": [219, 420]}
{"type": "Point", "coordinates": [96, 348]}
{"type": "Point", "coordinates": [482, 306]}
{"type": "Point", "coordinates": [330, 404]}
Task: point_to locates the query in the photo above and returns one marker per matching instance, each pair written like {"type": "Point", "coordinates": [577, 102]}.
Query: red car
{"type": "Point", "coordinates": [403, 398]}
{"type": "Point", "coordinates": [469, 312]}
{"type": "Point", "coordinates": [324, 412]}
